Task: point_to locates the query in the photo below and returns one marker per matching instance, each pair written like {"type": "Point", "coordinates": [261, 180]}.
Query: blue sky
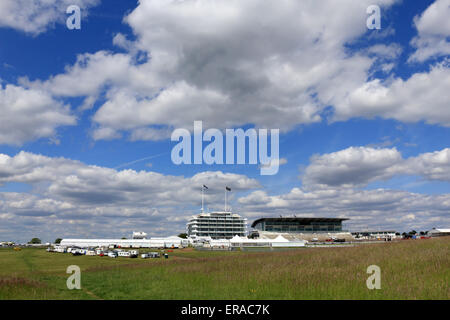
{"type": "Point", "coordinates": [87, 114]}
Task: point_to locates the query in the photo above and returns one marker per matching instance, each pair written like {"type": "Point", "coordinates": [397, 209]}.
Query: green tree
{"type": "Point", "coordinates": [35, 241]}
{"type": "Point", "coordinates": [183, 235]}
{"type": "Point", "coordinates": [58, 240]}
{"type": "Point", "coordinates": [124, 238]}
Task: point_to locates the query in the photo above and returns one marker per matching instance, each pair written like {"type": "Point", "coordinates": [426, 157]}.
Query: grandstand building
{"type": "Point", "coordinates": [217, 225]}
{"type": "Point", "coordinates": [301, 228]}
{"type": "Point", "coordinates": [294, 224]}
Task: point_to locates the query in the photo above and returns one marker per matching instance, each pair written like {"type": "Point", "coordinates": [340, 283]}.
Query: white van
{"type": "Point", "coordinates": [112, 254]}
{"type": "Point", "coordinates": [125, 254]}
{"type": "Point", "coordinates": [150, 255]}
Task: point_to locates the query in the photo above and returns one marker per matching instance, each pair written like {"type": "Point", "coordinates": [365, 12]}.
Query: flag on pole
{"type": "Point", "coordinates": [228, 188]}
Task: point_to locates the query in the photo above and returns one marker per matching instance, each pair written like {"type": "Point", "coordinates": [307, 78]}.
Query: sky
{"type": "Point", "coordinates": [86, 115]}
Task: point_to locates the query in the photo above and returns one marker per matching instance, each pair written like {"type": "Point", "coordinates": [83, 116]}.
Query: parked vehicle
{"type": "Point", "coordinates": [77, 252]}
{"type": "Point", "coordinates": [150, 255]}
{"type": "Point", "coordinates": [59, 249]}
{"type": "Point", "coordinates": [125, 254]}
{"type": "Point", "coordinates": [112, 254]}
{"type": "Point", "coordinates": [71, 249]}
{"type": "Point", "coordinates": [134, 253]}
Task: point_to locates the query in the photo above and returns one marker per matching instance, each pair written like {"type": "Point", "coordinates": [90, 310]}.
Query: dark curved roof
{"type": "Point", "coordinates": [299, 220]}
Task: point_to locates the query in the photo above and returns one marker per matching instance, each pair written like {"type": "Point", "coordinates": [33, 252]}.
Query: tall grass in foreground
{"type": "Point", "coordinates": [411, 269]}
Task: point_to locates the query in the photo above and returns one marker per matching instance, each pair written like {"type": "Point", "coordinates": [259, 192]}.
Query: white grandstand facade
{"type": "Point", "coordinates": [217, 225]}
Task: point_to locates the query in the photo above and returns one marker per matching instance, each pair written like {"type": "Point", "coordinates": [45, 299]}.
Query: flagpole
{"type": "Point", "coordinates": [202, 199]}
{"type": "Point", "coordinates": [225, 200]}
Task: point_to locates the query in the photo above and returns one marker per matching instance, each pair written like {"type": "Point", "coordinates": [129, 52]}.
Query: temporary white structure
{"type": "Point", "coordinates": [170, 242]}
{"type": "Point", "coordinates": [221, 243]}
{"type": "Point", "coordinates": [237, 241]}
{"type": "Point", "coordinates": [439, 232]}
{"type": "Point", "coordinates": [280, 238]}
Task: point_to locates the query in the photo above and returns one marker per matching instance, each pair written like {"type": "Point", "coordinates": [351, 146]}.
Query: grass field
{"type": "Point", "coordinates": [413, 269]}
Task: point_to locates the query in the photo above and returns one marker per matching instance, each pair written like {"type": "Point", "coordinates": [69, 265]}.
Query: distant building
{"type": "Point", "coordinates": [217, 225]}
{"type": "Point", "coordinates": [298, 228]}
{"type": "Point", "coordinates": [139, 235]}
{"type": "Point", "coordinates": [438, 232]}
{"type": "Point", "coordinates": [298, 225]}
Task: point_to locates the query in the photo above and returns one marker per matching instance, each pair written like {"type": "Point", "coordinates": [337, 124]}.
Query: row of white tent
{"type": "Point", "coordinates": [236, 242]}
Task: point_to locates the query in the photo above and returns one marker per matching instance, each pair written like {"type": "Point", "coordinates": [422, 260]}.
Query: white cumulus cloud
{"type": "Point", "coordinates": [36, 16]}
{"type": "Point", "coordinates": [358, 166]}
{"type": "Point", "coordinates": [433, 28]}
{"type": "Point", "coordinates": [29, 114]}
